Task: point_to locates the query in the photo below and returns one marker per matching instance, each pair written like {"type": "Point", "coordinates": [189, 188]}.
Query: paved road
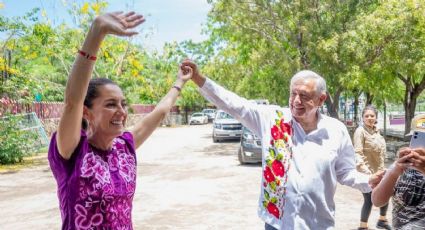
{"type": "Point", "coordinates": [185, 181]}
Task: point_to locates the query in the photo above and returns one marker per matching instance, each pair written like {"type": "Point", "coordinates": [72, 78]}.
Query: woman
{"type": "Point", "coordinates": [94, 161]}
{"type": "Point", "coordinates": [404, 181]}
{"type": "Point", "coordinates": [370, 150]}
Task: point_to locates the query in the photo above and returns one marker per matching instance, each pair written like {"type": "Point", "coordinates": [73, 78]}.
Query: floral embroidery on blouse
{"type": "Point", "coordinates": [277, 164]}
{"type": "Point", "coordinates": [106, 188]}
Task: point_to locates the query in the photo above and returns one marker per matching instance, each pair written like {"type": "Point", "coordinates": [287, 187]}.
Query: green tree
{"type": "Point", "coordinates": [42, 55]}
{"type": "Point", "coordinates": [387, 48]}
{"type": "Point", "coordinates": [263, 43]}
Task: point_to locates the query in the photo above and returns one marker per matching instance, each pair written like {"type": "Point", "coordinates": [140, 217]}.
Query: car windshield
{"type": "Point", "coordinates": [197, 115]}
{"type": "Point", "coordinates": [223, 115]}
{"type": "Point", "coordinates": [208, 111]}
{"type": "Point", "coordinates": [246, 130]}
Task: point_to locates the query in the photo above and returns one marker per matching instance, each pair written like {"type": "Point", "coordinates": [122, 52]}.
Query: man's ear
{"type": "Point", "coordinates": [322, 99]}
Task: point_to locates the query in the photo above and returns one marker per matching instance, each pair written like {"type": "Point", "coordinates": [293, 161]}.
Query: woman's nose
{"type": "Point", "coordinates": [121, 109]}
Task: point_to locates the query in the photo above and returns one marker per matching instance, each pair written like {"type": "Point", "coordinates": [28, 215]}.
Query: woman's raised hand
{"type": "Point", "coordinates": [196, 76]}
{"type": "Point", "coordinates": [118, 23]}
{"type": "Point", "coordinates": [185, 73]}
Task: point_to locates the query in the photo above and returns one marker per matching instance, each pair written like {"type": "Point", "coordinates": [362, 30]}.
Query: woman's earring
{"type": "Point", "coordinates": [86, 124]}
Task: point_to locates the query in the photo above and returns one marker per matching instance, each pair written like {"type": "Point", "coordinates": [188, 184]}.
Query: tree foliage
{"type": "Point", "coordinates": [42, 55]}
{"type": "Point", "coordinates": [373, 48]}
{"type": "Point", "coordinates": [387, 53]}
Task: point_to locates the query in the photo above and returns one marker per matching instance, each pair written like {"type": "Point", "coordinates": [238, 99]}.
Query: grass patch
{"type": "Point", "coordinates": [39, 158]}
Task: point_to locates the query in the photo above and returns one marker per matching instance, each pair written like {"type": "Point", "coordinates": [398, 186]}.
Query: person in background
{"type": "Point", "coordinates": [92, 157]}
{"type": "Point", "coordinates": [370, 150]}
{"type": "Point", "coordinates": [405, 182]}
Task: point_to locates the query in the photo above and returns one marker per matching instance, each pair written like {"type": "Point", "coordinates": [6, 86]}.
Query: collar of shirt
{"type": "Point", "coordinates": [372, 130]}
{"type": "Point", "coordinates": [316, 135]}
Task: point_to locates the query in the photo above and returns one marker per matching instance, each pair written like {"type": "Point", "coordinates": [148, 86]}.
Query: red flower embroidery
{"type": "Point", "coordinates": [278, 169]}
{"type": "Point", "coordinates": [276, 133]}
{"type": "Point", "coordinates": [285, 127]}
{"type": "Point", "coordinates": [275, 177]}
{"type": "Point", "coordinates": [273, 209]}
{"type": "Point", "coordinates": [285, 137]}
{"type": "Point", "coordinates": [268, 175]}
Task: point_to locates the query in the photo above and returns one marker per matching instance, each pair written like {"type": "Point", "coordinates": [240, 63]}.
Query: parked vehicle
{"type": "Point", "coordinates": [250, 148]}
{"type": "Point", "coordinates": [260, 101]}
{"type": "Point", "coordinates": [225, 127]}
{"type": "Point", "coordinates": [198, 118]}
{"type": "Point", "coordinates": [210, 113]}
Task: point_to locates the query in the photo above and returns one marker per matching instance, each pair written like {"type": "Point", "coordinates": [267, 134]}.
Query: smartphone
{"type": "Point", "coordinates": [417, 140]}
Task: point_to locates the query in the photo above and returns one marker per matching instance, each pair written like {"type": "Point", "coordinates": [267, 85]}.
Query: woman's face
{"type": "Point", "coordinates": [108, 113]}
{"type": "Point", "coordinates": [369, 118]}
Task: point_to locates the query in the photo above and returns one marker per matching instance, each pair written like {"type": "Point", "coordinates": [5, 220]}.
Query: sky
{"type": "Point", "coordinates": [166, 20]}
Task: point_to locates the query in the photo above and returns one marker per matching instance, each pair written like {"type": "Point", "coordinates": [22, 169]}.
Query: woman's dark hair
{"type": "Point", "coordinates": [93, 93]}
{"type": "Point", "coordinates": [93, 89]}
{"type": "Point", "coordinates": [372, 108]}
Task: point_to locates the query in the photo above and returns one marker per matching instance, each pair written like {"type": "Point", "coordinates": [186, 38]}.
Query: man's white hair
{"type": "Point", "coordinates": [304, 75]}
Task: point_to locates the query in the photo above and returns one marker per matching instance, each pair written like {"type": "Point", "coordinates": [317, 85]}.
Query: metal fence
{"type": "Point", "coordinates": [49, 110]}
{"type": "Point", "coordinates": [43, 110]}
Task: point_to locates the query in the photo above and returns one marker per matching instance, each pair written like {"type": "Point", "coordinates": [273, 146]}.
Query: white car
{"type": "Point", "coordinates": [210, 113]}
{"type": "Point", "coordinates": [198, 118]}
{"type": "Point", "coordinates": [225, 127]}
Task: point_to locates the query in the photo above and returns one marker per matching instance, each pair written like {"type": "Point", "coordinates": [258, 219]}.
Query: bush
{"type": "Point", "coordinates": [15, 142]}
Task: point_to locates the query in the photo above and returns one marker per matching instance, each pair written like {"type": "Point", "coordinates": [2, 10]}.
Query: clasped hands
{"type": "Point", "coordinates": [407, 157]}
{"type": "Point", "coordinates": [414, 158]}
{"type": "Point", "coordinates": [188, 70]}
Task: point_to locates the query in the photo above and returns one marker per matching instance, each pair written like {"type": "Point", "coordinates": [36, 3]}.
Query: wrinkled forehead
{"type": "Point", "coordinates": [309, 85]}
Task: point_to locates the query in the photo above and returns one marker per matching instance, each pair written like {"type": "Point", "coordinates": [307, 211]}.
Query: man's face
{"type": "Point", "coordinates": [304, 100]}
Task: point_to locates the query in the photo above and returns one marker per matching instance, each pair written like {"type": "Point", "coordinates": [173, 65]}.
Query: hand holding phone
{"type": "Point", "coordinates": [417, 140]}
{"type": "Point", "coordinates": [414, 156]}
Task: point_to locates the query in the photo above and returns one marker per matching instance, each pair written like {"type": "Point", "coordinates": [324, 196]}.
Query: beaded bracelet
{"type": "Point", "coordinates": [178, 88]}
{"type": "Point", "coordinates": [87, 56]}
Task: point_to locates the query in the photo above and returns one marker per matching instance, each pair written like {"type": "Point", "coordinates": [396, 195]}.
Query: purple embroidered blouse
{"type": "Point", "coordinates": [96, 187]}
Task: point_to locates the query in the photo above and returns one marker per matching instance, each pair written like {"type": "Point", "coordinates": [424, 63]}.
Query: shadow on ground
{"type": "Point", "coordinates": [221, 150]}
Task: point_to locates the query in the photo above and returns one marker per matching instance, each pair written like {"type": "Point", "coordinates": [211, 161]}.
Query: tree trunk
{"type": "Point", "coordinates": [332, 104]}
{"type": "Point", "coordinates": [411, 95]}
{"type": "Point", "coordinates": [303, 53]}
{"type": "Point", "coordinates": [409, 108]}
{"type": "Point", "coordinates": [186, 111]}
{"type": "Point", "coordinates": [356, 108]}
{"type": "Point", "coordinates": [369, 99]}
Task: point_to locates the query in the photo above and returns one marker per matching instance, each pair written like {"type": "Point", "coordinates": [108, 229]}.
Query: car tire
{"type": "Point", "coordinates": [215, 140]}
{"type": "Point", "coordinates": [240, 158]}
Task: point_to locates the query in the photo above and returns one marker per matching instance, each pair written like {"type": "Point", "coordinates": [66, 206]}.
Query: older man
{"type": "Point", "coordinates": [305, 153]}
